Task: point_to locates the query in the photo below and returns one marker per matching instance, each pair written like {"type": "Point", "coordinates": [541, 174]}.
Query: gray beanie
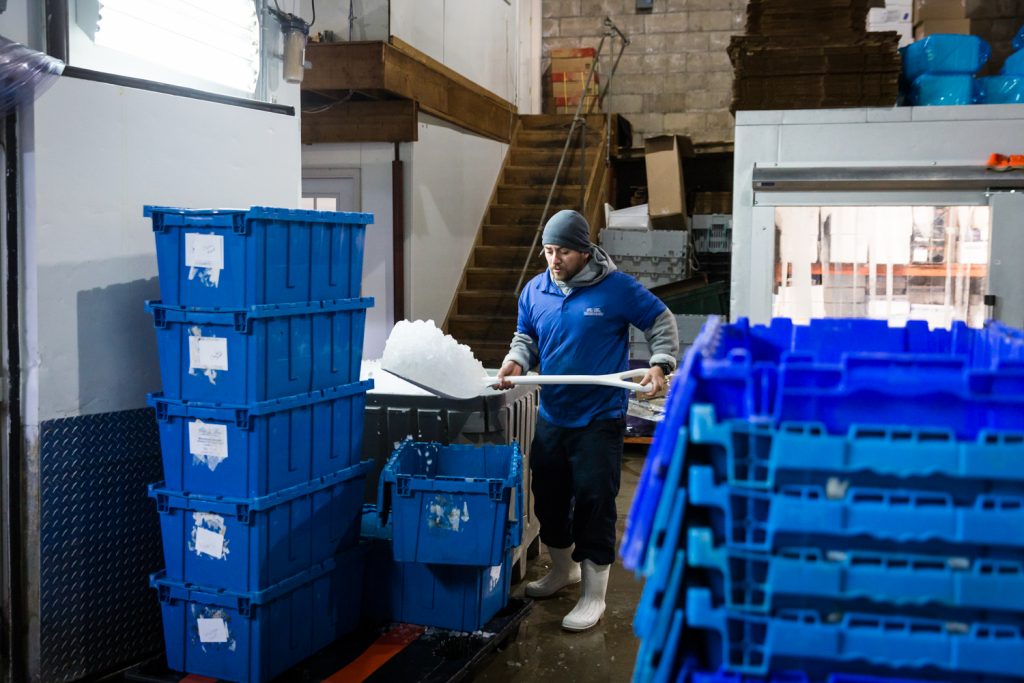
{"type": "Point", "coordinates": [567, 229]}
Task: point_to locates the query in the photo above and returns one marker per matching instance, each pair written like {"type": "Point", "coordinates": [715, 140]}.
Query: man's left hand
{"type": "Point", "coordinates": [656, 377]}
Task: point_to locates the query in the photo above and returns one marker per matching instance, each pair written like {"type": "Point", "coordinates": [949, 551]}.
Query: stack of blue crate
{"type": "Point", "coordinates": [260, 334]}
{"type": "Point", "coordinates": [442, 534]}
{"type": "Point", "coordinates": [837, 500]}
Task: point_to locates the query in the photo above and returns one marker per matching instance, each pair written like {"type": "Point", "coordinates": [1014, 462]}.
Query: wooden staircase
{"type": "Point", "coordinates": [483, 311]}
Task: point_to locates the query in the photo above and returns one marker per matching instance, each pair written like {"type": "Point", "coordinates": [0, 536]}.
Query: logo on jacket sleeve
{"type": "Point", "coordinates": [595, 310]}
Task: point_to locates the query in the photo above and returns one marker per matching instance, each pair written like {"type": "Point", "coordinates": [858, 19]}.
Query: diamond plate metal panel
{"type": "Point", "coordinates": [100, 539]}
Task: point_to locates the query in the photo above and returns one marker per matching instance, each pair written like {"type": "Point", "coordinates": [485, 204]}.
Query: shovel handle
{"type": "Point", "coordinates": [618, 380]}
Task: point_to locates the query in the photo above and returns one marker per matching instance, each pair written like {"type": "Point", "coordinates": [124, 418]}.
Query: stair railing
{"type": "Point", "coordinates": [579, 123]}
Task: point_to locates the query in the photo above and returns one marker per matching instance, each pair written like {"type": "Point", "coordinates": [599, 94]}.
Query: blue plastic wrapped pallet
{"type": "Point", "coordinates": [1008, 89]}
{"type": "Point", "coordinates": [258, 353]}
{"type": "Point", "coordinates": [210, 258]}
{"type": "Point", "coordinates": [451, 503]}
{"type": "Point", "coordinates": [252, 450]}
{"type": "Point", "coordinates": [944, 54]}
{"type": "Point", "coordinates": [253, 636]}
{"type": "Point", "coordinates": [929, 90]}
{"type": "Point", "coordinates": [453, 597]}
{"type": "Point", "coordinates": [249, 544]}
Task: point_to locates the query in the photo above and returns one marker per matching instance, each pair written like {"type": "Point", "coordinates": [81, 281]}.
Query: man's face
{"type": "Point", "coordinates": [564, 262]}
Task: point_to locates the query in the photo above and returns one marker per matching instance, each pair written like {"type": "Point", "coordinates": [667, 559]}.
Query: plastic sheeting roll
{"type": "Point", "coordinates": [1000, 89]}
{"type": "Point", "coordinates": [944, 54]}
{"type": "Point", "coordinates": [25, 74]}
{"type": "Point", "coordinates": [944, 89]}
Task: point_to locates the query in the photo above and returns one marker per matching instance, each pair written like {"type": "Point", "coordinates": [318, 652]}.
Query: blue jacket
{"type": "Point", "coordinates": [584, 333]}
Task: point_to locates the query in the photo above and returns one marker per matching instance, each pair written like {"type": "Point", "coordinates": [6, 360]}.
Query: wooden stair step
{"type": "Point", "coordinates": [508, 235]}
{"type": "Point", "coordinates": [489, 328]}
{"type": "Point", "coordinates": [532, 194]}
{"type": "Point", "coordinates": [540, 176]}
{"type": "Point", "coordinates": [523, 215]}
{"type": "Point", "coordinates": [496, 279]}
{"type": "Point", "coordinates": [535, 121]}
{"type": "Point", "coordinates": [550, 157]}
{"type": "Point", "coordinates": [486, 256]}
{"type": "Point", "coordinates": [477, 302]}
{"type": "Point", "coordinates": [555, 137]}
{"type": "Point", "coordinates": [488, 351]}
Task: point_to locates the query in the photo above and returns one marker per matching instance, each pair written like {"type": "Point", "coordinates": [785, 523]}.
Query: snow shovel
{"type": "Point", "coordinates": [619, 380]}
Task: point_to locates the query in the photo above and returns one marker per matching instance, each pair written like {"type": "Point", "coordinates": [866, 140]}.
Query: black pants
{"type": "Point", "coordinates": [575, 481]}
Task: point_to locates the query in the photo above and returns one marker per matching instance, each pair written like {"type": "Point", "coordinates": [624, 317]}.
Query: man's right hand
{"type": "Point", "coordinates": [509, 369]}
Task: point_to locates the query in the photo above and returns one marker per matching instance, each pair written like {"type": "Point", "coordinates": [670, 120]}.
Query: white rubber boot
{"type": "Point", "coordinates": [564, 572]}
{"type": "Point", "coordinates": [590, 608]}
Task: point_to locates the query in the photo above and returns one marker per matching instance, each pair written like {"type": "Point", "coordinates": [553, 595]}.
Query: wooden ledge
{"type": "Point", "coordinates": [394, 70]}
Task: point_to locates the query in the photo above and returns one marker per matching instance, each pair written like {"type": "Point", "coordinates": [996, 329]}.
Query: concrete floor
{"type": "Point", "coordinates": [544, 652]}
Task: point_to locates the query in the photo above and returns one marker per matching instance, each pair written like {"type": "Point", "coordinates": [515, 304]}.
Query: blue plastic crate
{"type": "Point", "coordinates": [757, 644]}
{"type": "Point", "coordinates": [258, 353]}
{"type": "Point", "coordinates": [254, 450]}
{"type": "Point", "coordinates": [451, 503]}
{"type": "Point", "coordinates": [248, 544]}
{"type": "Point", "coordinates": [759, 520]}
{"type": "Point", "coordinates": [254, 636]}
{"type": "Point", "coordinates": [944, 54]}
{"type": "Point", "coordinates": [760, 582]}
{"type": "Point", "coordinates": [454, 597]}
{"type": "Point", "coordinates": [930, 90]}
{"type": "Point", "coordinates": [693, 676]}
{"type": "Point", "coordinates": [211, 258]}
{"type": "Point", "coordinates": [751, 454]}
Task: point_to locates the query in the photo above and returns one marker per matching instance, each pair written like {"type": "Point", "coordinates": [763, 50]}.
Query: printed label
{"type": "Point", "coordinates": [209, 543]}
{"type": "Point", "coordinates": [207, 353]}
{"type": "Point", "coordinates": [208, 443]}
{"type": "Point", "coordinates": [212, 630]}
{"type": "Point", "coordinates": [204, 251]}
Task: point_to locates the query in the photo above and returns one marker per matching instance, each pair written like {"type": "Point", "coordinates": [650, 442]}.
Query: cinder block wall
{"type": "Point", "coordinates": [675, 76]}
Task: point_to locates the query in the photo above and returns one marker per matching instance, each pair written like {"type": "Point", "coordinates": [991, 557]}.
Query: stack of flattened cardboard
{"type": "Point", "coordinates": [569, 70]}
{"type": "Point", "coordinates": [804, 55]}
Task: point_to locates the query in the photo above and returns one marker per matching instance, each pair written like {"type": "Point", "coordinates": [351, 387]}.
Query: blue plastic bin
{"type": "Point", "coordinates": [756, 520]}
{"type": "Point", "coordinates": [250, 451]}
{"type": "Point", "coordinates": [757, 644]}
{"type": "Point", "coordinates": [944, 53]}
{"type": "Point", "coordinates": [454, 597]}
{"type": "Point", "coordinates": [929, 90]}
{"type": "Point", "coordinates": [254, 636]}
{"type": "Point", "coordinates": [693, 676]}
{"type": "Point", "coordinates": [752, 454]}
{"type": "Point", "coordinates": [249, 544]}
{"type": "Point", "coordinates": [265, 255]}
{"type": "Point", "coordinates": [759, 582]}
{"type": "Point", "coordinates": [450, 504]}
{"type": "Point", "coordinates": [259, 353]}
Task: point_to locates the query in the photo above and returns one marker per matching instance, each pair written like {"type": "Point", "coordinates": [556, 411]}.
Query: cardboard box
{"type": "Point", "coordinates": [933, 26]}
{"type": "Point", "coordinates": [573, 52]}
{"type": "Point", "coordinates": [888, 15]}
{"type": "Point", "coordinates": [567, 105]}
{"type": "Point", "coordinates": [925, 10]}
{"type": "Point", "coordinates": [581, 65]}
{"type": "Point", "coordinates": [574, 88]}
{"type": "Point", "coordinates": [903, 28]}
{"type": "Point", "coordinates": [666, 192]}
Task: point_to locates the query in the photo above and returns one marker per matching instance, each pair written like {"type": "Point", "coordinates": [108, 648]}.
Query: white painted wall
{"type": "Point", "coordinates": [853, 137]}
{"type": "Point", "coordinates": [374, 163]}
{"type": "Point", "coordinates": [452, 176]}
{"type": "Point", "coordinates": [95, 154]}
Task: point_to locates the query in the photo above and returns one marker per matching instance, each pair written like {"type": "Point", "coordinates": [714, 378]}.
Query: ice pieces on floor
{"type": "Point", "coordinates": [418, 351]}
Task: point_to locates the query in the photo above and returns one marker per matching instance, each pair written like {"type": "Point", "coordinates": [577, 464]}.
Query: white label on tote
{"type": "Point", "coordinates": [207, 353]}
{"type": "Point", "coordinates": [212, 630]}
{"type": "Point", "coordinates": [204, 251]}
{"type": "Point", "coordinates": [208, 443]}
{"type": "Point", "coordinates": [209, 543]}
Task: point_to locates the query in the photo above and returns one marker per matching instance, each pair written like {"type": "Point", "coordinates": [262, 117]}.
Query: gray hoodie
{"type": "Point", "coordinates": [662, 336]}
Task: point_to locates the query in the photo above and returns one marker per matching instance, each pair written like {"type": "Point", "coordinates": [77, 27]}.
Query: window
{"type": "Point", "coordinates": [211, 46]}
{"type": "Point", "coordinates": [889, 262]}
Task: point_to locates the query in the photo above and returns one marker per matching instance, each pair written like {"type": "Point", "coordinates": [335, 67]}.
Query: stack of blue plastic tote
{"type": "Point", "coordinates": [843, 500]}
{"type": "Point", "coordinates": [446, 533]}
{"type": "Point", "coordinates": [260, 334]}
